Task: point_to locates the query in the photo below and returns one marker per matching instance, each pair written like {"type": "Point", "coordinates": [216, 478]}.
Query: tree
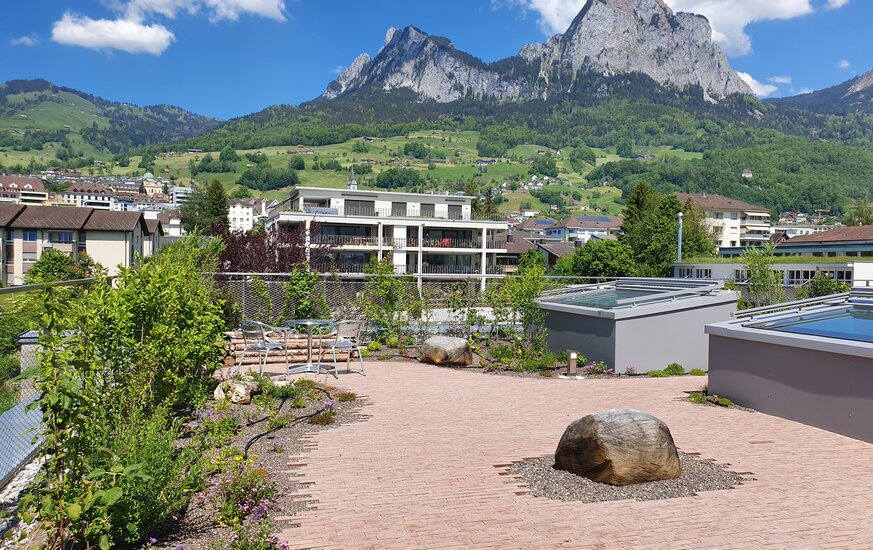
{"type": "Point", "coordinates": [241, 193]}
{"type": "Point", "coordinates": [764, 284]}
{"type": "Point", "coordinates": [582, 156]}
{"type": "Point", "coordinates": [415, 149]}
{"type": "Point", "coordinates": [54, 265]}
{"type": "Point", "coordinates": [860, 214]}
{"type": "Point", "coordinates": [599, 259]}
{"type": "Point", "coordinates": [625, 147]}
{"type": "Point", "coordinates": [658, 243]}
{"type": "Point", "coordinates": [360, 147]}
{"type": "Point", "coordinates": [399, 177]}
{"type": "Point", "coordinates": [297, 163]}
{"type": "Point", "coordinates": [532, 258]}
{"type": "Point", "coordinates": [544, 166]}
{"type": "Point", "coordinates": [228, 154]}
{"type": "Point", "coordinates": [825, 285]}
{"type": "Point", "coordinates": [205, 208]}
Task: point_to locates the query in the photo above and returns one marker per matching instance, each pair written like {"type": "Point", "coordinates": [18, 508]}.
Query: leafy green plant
{"type": "Point", "coordinates": [697, 372]}
{"type": "Point", "coordinates": [674, 369]}
{"type": "Point", "coordinates": [251, 535]}
{"type": "Point", "coordinates": [657, 374]}
{"type": "Point", "coordinates": [303, 298]}
{"type": "Point", "coordinates": [245, 491]}
{"type": "Point", "coordinates": [323, 419]}
{"type": "Point", "coordinates": [374, 346]}
{"type": "Point", "coordinates": [345, 396]}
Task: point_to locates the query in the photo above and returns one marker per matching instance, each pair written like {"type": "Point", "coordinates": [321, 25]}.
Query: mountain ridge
{"type": "Point", "coordinates": [852, 96]}
{"type": "Point", "coordinates": [607, 37]}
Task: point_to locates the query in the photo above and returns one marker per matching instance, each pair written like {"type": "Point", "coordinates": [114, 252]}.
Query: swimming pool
{"type": "Point", "coordinates": [847, 323]}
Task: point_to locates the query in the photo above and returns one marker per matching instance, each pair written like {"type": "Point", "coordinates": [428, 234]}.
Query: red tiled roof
{"type": "Point", "coordinates": [8, 213]}
{"type": "Point", "coordinates": [592, 222]}
{"type": "Point", "coordinates": [561, 250]}
{"type": "Point", "coordinates": [519, 244]}
{"type": "Point", "coordinates": [89, 188]}
{"type": "Point", "coordinates": [840, 234]}
{"type": "Point", "coordinates": [21, 182]}
{"type": "Point", "coordinates": [718, 202]}
{"type": "Point", "coordinates": [154, 226]}
{"type": "Point", "coordinates": [535, 224]}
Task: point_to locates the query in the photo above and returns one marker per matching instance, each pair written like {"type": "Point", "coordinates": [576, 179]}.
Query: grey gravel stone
{"type": "Point", "coordinates": [697, 475]}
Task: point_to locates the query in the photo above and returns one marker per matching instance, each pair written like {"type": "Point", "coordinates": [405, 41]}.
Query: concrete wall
{"type": "Point", "coordinates": [112, 249]}
{"type": "Point", "coordinates": [822, 389]}
{"type": "Point", "coordinates": [593, 337]}
{"type": "Point", "coordinates": [654, 341]}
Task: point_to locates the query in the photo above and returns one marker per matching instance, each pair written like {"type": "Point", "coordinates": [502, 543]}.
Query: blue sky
{"type": "Point", "coordinates": [228, 58]}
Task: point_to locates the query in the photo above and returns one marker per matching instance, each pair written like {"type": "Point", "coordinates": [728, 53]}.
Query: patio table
{"type": "Point", "coordinates": [309, 366]}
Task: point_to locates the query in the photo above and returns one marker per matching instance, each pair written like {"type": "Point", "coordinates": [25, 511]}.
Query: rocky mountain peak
{"type": "Point", "coordinates": [863, 84]}
{"type": "Point", "coordinates": [607, 37]}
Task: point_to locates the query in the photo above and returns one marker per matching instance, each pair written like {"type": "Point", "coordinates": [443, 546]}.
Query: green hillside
{"type": "Point", "coordinates": [47, 122]}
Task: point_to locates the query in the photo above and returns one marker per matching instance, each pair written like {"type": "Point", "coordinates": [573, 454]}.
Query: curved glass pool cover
{"type": "Point", "coordinates": [629, 293]}
{"type": "Point", "coordinates": [853, 321]}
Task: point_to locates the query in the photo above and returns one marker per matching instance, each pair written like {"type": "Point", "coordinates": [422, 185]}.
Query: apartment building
{"type": "Point", "coordinates": [245, 214]}
{"type": "Point", "coordinates": [112, 239]}
{"type": "Point", "coordinates": [423, 234]}
{"type": "Point", "coordinates": [737, 223]}
{"type": "Point", "coordinates": [89, 195]}
{"type": "Point", "coordinates": [22, 190]}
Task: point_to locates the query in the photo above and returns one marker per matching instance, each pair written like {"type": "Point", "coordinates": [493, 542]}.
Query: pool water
{"type": "Point", "coordinates": [849, 323]}
{"type": "Point", "coordinates": [604, 299]}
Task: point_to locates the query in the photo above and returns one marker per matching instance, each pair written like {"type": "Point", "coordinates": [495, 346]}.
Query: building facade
{"type": "Point", "coordinates": [112, 239]}
{"type": "Point", "coordinates": [736, 223]}
{"type": "Point", "coordinates": [423, 234]}
{"type": "Point", "coordinates": [579, 229]}
{"type": "Point", "coordinates": [22, 190]}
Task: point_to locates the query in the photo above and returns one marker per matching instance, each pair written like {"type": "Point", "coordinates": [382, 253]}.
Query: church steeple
{"type": "Point", "coordinates": [353, 181]}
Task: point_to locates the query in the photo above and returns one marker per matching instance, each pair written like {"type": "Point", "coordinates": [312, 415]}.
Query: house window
{"type": "Point", "coordinates": [398, 209]}
{"type": "Point", "coordinates": [28, 257]}
{"type": "Point", "coordinates": [29, 235]}
{"type": "Point", "coordinates": [734, 216]}
{"type": "Point", "coordinates": [10, 235]}
{"type": "Point", "coordinates": [61, 237]}
{"type": "Point", "coordinates": [455, 212]}
{"type": "Point", "coordinates": [428, 210]}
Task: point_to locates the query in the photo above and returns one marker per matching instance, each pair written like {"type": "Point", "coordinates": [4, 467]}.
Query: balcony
{"type": "Point", "coordinates": [345, 240]}
{"type": "Point", "coordinates": [413, 242]}
{"type": "Point", "coordinates": [460, 270]}
{"type": "Point", "coordinates": [354, 268]}
{"type": "Point", "coordinates": [387, 213]}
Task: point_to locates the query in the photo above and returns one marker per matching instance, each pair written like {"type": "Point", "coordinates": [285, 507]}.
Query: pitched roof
{"type": "Point", "coordinates": [105, 220]}
{"type": "Point", "coordinates": [534, 224]}
{"type": "Point", "coordinates": [561, 250]}
{"type": "Point", "coordinates": [591, 222]}
{"type": "Point", "coordinates": [51, 217]}
{"type": "Point", "coordinates": [21, 181]}
{"type": "Point", "coordinates": [516, 243]}
{"type": "Point", "coordinates": [90, 188]}
{"type": "Point", "coordinates": [718, 202]}
{"type": "Point", "coordinates": [154, 226]}
{"type": "Point", "coordinates": [8, 212]}
{"type": "Point", "coordinates": [840, 234]}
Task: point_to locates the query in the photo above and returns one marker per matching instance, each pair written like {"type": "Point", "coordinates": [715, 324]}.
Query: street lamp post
{"type": "Point", "coordinates": [679, 238]}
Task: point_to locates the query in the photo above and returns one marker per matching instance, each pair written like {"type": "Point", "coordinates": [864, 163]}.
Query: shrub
{"type": "Point", "coordinates": [594, 369]}
{"type": "Point", "coordinates": [323, 419]}
{"type": "Point", "coordinates": [246, 491]}
{"type": "Point", "coordinates": [298, 403]}
{"type": "Point", "coordinates": [251, 535]}
{"type": "Point", "coordinates": [345, 396]}
{"type": "Point", "coordinates": [374, 346]}
{"type": "Point", "coordinates": [657, 374]}
{"type": "Point", "coordinates": [698, 397]}
{"type": "Point", "coordinates": [674, 369]}
{"type": "Point", "coordinates": [697, 372]}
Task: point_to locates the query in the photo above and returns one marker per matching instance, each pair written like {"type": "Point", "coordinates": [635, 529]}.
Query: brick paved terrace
{"type": "Point", "coordinates": [423, 470]}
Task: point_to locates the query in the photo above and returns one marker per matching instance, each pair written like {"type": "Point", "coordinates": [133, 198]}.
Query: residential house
{"type": "Point", "coordinates": [423, 234]}
{"type": "Point", "coordinates": [152, 240]}
{"type": "Point", "coordinates": [112, 239]}
{"type": "Point", "coordinates": [151, 186]}
{"type": "Point", "coordinates": [796, 271]}
{"type": "Point", "coordinates": [581, 228]}
{"type": "Point", "coordinates": [736, 223]}
{"type": "Point", "coordinates": [22, 190]}
{"type": "Point", "coordinates": [554, 251]}
{"type": "Point", "coordinates": [179, 195]}
{"type": "Point", "coordinates": [537, 226]}
{"type": "Point", "coordinates": [246, 214]}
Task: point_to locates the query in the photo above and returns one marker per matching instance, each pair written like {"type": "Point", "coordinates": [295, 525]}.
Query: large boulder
{"type": "Point", "coordinates": [447, 350]}
{"type": "Point", "coordinates": [237, 391]}
{"type": "Point", "coordinates": [619, 447]}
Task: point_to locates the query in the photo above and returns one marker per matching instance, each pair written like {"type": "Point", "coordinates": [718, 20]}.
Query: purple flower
{"type": "Point", "coordinates": [330, 403]}
{"type": "Point", "coordinates": [152, 540]}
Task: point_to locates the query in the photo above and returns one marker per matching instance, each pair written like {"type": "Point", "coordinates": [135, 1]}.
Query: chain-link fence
{"type": "Point", "coordinates": [19, 314]}
{"type": "Point", "coordinates": [447, 306]}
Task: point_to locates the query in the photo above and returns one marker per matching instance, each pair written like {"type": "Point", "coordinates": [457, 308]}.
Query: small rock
{"type": "Point", "coordinates": [237, 391]}
{"type": "Point", "coordinates": [447, 350]}
{"type": "Point", "coordinates": [619, 447]}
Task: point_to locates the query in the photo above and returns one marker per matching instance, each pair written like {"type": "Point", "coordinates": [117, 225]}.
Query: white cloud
{"type": "Point", "coordinates": [834, 4]}
{"type": "Point", "coordinates": [216, 9]}
{"type": "Point", "coordinates": [338, 69]}
{"type": "Point", "coordinates": [30, 41]}
{"type": "Point", "coordinates": [759, 88]}
{"type": "Point", "coordinates": [844, 65]}
{"type": "Point", "coordinates": [133, 32]}
{"type": "Point", "coordinates": [728, 18]}
{"type": "Point", "coordinates": [805, 91]}
{"type": "Point", "coordinates": [780, 79]}
{"type": "Point", "coordinates": [111, 34]}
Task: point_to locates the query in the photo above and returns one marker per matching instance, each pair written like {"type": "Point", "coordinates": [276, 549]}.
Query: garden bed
{"type": "Point", "coordinates": [198, 527]}
{"type": "Point", "coordinates": [543, 480]}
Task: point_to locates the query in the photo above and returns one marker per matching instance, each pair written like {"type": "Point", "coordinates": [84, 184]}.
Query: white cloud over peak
{"type": "Point", "coordinates": [759, 88]}
{"type": "Point", "coordinates": [112, 34]}
{"type": "Point", "coordinates": [134, 30]}
{"type": "Point", "coordinates": [780, 79]}
{"type": "Point", "coordinates": [30, 41]}
{"type": "Point", "coordinates": [844, 65]}
{"type": "Point", "coordinates": [728, 18]}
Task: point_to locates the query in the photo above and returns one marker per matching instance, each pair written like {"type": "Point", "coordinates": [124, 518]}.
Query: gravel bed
{"type": "Point", "coordinates": [698, 475]}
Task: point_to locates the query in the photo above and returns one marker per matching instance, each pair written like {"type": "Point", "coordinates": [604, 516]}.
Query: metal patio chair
{"type": "Point", "coordinates": [347, 339]}
{"type": "Point", "coordinates": [256, 340]}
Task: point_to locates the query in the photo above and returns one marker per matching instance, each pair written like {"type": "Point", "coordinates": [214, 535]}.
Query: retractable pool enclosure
{"type": "Point", "coordinates": [810, 361]}
{"type": "Point", "coordinates": [641, 323]}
